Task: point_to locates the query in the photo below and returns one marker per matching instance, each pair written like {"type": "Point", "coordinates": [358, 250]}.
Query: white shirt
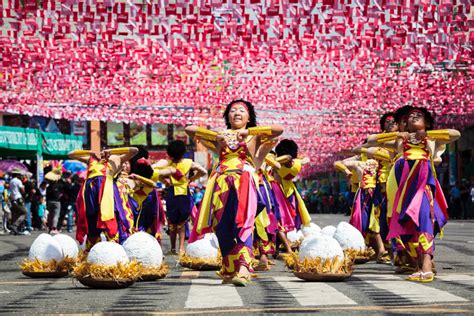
{"type": "Point", "coordinates": [472, 195]}
{"type": "Point", "coordinates": [15, 186]}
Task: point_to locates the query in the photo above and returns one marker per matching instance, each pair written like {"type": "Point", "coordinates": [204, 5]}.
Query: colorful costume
{"type": "Point", "coordinates": [365, 213]}
{"type": "Point", "coordinates": [229, 207]}
{"type": "Point", "coordinates": [287, 174]}
{"type": "Point", "coordinates": [99, 206]}
{"type": "Point", "coordinates": [179, 200]}
{"type": "Point", "coordinates": [419, 206]}
{"type": "Point", "coordinates": [148, 211]}
{"type": "Point", "coordinates": [266, 222]}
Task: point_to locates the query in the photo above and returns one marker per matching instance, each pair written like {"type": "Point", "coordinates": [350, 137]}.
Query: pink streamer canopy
{"type": "Point", "coordinates": [325, 69]}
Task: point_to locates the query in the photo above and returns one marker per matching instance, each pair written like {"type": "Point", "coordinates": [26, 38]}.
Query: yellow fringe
{"type": "Point", "coordinates": [160, 272]}
{"type": "Point", "coordinates": [289, 259]}
{"type": "Point", "coordinates": [67, 264]}
{"type": "Point", "coordinates": [188, 261]}
{"type": "Point", "coordinates": [355, 253]}
{"type": "Point", "coordinates": [131, 270]}
{"type": "Point", "coordinates": [320, 265]}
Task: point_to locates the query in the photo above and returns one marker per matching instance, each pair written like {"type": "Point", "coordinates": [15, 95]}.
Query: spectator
{"type": "Point", "coordinates": [67, 201]}
{"type": "Point", "coordinates": [17, 190]}
{"type": "Point", "coordinates": [197, 196]}
{"type": "Point", "coordinates": [2, 214]}
{"type": "Point", "coordinates": [455, 199]}
{"type": "Point", "coordinates": [53, 198]}
{"type": "Point", "coordinates": [42, 213]}
{"type": "Point", "coordinates": [29, 193]}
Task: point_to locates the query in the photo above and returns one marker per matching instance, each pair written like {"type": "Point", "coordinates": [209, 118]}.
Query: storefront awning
{"type": "Point", "coordinates": [17, 142]}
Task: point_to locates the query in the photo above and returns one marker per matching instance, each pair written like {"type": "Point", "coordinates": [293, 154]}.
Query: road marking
{"type": "Point", "coordinates": [457, 278]}
{"type": "Point", "coordinates": [189, 274]}
{"type": "Point", "coordinates": [313, 293]}
{"type": "Point", "coordinates": [431, 308]}
{"type": "Point", "coordinates": [4, 292]}
{"type": "Point", "coordinates": [415, 292]}
{"type": "Point", "coordinates": [209, 293]}
{"type": "Point", "coordinates": [33, 282]}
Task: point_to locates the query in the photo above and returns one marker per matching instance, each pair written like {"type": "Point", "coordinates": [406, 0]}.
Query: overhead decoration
{"type": "Point", "coordinates": [325, 69]}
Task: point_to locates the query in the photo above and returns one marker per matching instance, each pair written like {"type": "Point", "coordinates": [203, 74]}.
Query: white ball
{"type": "Point", "coordinates": [322, 246]}
{"type": "Point", "coordinates": [107, 253]}
{"type": "Point", "coordinates": [68, 244]}
{"type": "Point", "coordinates": [145, 249]}
{"type": "Point", "coordinates": [309, 238]}
{"type": "Point", "coordinates": [349, 237]}
{"type": "Point", "coordinates": [213, 239]}
{"type": "Point", "coordinates": [45, 248]}
{"type": "Point", "coordinates": [203, 248]}
{"type": "Point", "coordinates": [328, 230]}
{"type": "Point", "coordinates": [294, 235]}
{"type": "Point", "coordinates": [311, 229]}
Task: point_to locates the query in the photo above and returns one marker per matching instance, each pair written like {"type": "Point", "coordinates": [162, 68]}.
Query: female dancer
{"type": "Point", "coordinates": [419, 207]}
{"type": "Point", "coordinates": [179, 201]}
{"type": "Point", "coordinates": [229, 205]}
{"type": "Point", "coordinates": [285, 176]}
{"type": "Point", "coordinates": [99, 206]}
{"type": "Point", "coordinates": [148, 211]}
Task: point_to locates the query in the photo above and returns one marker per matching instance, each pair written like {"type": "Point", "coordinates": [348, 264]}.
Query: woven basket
{"type": "Point", "coordinates": [46, 274]}
{"type": "Point", "coordinates": [106, 284]}
{"type": "Point", "coordinates": [322, 277]}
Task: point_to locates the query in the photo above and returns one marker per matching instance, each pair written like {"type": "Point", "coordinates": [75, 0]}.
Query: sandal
{"type": "Point", "coordinates": [426, 277]}
{"type": "Point", "coordinates": [404, 269]}
{"type": "Point", "coordinates": [226, 279]}
{"type": "Point", "coordinates": [271, 262]}
{"type": "Point", "coordinates": [261, 266]}
{"type": "Point", "coordinates": [384, 258]}
{"type": "Point", "coordinates": [241, 280]}
{"type": "Point", "coordinates": [414, 276]}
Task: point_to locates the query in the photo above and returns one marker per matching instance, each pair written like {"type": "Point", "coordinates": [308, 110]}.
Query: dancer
{"type": "Point", "coordinates": [229, 205]}
{"type": "Point", "coordinates": [99, 206]}
{"type": "Point", "coordinates": [145, 202]}
{"type": "Point", "coordinates": [179, 200]}
{"type": "Point", "coordinates": [419, 207]}
{"type": "Point", "coordinates": [285, 175]}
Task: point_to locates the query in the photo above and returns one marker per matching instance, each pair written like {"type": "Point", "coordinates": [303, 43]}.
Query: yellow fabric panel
{"type": "Point", "coordinates": [261, 222]}
{"type": "Point", "coordinates": [181, 186]}
{"type": "Point", "coordinates": [107, 201]}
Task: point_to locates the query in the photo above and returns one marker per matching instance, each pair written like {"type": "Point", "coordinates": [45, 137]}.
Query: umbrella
{"type": "Point", "coordinates": [74, 166]}
{"type": "Point", "coordinates": [8, 166]}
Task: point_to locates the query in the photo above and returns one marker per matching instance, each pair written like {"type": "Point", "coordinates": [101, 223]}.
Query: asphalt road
{"type": "Point", "coordinates": [373, 288]}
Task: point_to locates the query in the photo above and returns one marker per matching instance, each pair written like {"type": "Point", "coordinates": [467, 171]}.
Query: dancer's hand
{"type": "Point", "coordinates": [221, 140]}
{"type": "Point", "coordinates": [420, 134]}
{"type": "Point", "coordinates": [242, 134]}
{"type": "Point", "coordinates": [404, 135]}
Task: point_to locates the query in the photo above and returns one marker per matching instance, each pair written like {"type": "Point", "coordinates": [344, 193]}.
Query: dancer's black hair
{"type": "Point", "coordinates": [252, 116]}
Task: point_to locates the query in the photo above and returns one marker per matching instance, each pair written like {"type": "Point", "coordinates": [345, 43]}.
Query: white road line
{"type": "Point", "coordinates": [458, 278]}
{"type": "Point", "coordinates": [313, 293]}
{"type": "Point", "coordinates": [415, 292]}
{"type": "Point", "coordinates": [207, 293]}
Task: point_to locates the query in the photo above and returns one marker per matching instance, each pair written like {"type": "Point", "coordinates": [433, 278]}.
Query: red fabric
{"type": "Point", "coordinates": [82, 227]}
{"type": "Point", "coordinates": [243, 196]}
{"type": "Point", "coordinates": [110, 226]}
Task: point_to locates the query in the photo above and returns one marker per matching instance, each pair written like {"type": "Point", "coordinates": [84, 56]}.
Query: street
{"type": "Point", "coordinates": [373, 288]}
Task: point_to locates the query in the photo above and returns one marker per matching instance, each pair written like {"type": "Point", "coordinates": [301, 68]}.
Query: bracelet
{"type": "Point", "coordinates": [206, 134]}
{"type": "Point", "coordinates": [381, 155]}
{"type": "Point", "coordinates": [82, 152]}
{"type": "Point", "coordinates": [270, 161]}
{"type": "Point", "coordinates": [119, 151]}
{"type": "Point", "coordinates": [341, 167]}
{"type": "Point", "coordinates": [260, 130]}
{"type": "Point", "coordinates": [385, 137]}
{"type": "Point", "coordinates": [442, 134]}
